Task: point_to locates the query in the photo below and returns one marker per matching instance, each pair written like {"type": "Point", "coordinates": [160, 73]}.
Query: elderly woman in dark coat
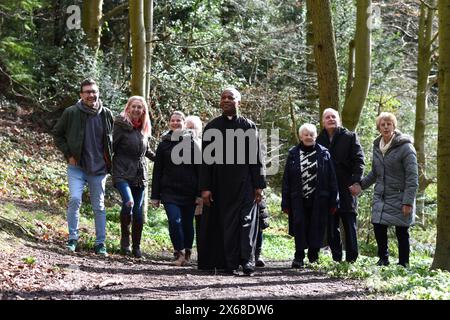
{"type": "Point", "coordinates": [394, 172]}
{"type": "Point", "coordinates": [309, 194]}
{"type": "Point", "coordinates": [130, 146]}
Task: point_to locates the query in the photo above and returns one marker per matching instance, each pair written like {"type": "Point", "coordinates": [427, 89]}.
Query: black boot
{"type": "Point", "coordinates": [258, 261]}
{"type": "Point", "coordinates": [125, 220]}
{"type": "Point", "coordinates": [136, 234]}
{"type": "Point", "coordinates": [249, 268]}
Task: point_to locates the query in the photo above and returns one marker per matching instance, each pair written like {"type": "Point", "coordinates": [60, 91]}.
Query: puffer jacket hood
{"type": "Point", "coordinates": [399, 139]}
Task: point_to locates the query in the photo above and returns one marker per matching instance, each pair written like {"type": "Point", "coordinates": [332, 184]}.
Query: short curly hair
{"type": "Point", "coordinates": [386, 116]}
{"type": "Point", "coordinates": [308, 127]}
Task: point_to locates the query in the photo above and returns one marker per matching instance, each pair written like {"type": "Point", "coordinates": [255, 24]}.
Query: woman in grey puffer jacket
{"type": "Point", "coordinates": [395, 174]}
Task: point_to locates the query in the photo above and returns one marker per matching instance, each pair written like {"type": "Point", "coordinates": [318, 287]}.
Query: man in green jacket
{"type": "Point", "coordinates": [84, 136]}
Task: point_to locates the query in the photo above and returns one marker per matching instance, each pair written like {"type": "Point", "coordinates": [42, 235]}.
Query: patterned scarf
{"type": "Point", "coordinates": [308, 168]}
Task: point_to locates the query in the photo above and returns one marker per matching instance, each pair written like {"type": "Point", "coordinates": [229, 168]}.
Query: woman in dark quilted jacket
{"type": "Point", "coordinates": [175, 184]}
{"type": "Point", "coordinates": [132, 130]}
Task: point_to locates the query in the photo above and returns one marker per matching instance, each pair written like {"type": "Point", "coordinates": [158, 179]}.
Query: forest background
{"type": "Point", "coordinates": [181, 54]}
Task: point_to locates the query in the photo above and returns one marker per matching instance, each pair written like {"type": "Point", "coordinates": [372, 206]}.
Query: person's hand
{"type": "Point", "coordinates": [72, 161]}
{"type": "Point", "coordinates": [406, 209]}
{"type": "Point", "coordinates": [355, 189]}
{"type": "Point", "coordinates": [156, 203]}
{"type": "Point", "coordinates": [199, 201]}
{"type": "Point", "coordinates": [207, 198]}
{"type": "Point", "coordinates": [286, 210]}
{"type": "Point", "coordinates": [333, 210]}
{"type": "Point", "coordinates": [258, 195]}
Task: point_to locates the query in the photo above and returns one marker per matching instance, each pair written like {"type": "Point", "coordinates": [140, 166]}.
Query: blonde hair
{"type": "Point", "coordinates": [309, 127]}
{"type": "Point", "coordinates": [196, 125]}
{"type": "Point", "coordinates": [146, 125]}
{"type": "Point", "coordinates": [386, 116]}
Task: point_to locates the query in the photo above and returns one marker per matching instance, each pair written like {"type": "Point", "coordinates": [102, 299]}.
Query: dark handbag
{"type": "Point", "coordinates": [263, 216]}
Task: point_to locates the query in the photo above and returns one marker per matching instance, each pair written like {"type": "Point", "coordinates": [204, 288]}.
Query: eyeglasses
{"type": "Point", "coordinates": [90, 91]}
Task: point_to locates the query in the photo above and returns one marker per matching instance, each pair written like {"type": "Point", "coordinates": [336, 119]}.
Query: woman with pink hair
{"type": "Point", "coordinates": [132, 130]}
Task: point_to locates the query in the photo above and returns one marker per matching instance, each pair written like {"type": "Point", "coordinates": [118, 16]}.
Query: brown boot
{"type": "Point", "coordinates": [125, 220]}
{"type": "Point", "coordinates": [181, 261]}
{"type": "Point", "coordinates": [187, 254]}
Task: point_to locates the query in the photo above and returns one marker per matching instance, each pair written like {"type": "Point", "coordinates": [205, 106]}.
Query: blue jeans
{"type": "Point", "coordinates": [132, 200]}
{"type": "Point", "coordinates": [77, 179]}
{"type": "Point", "coordinates": [181, 225]}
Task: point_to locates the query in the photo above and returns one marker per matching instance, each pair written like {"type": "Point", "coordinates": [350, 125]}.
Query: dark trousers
{"type": "Point", "coordinates": [313, 254]}
{"type": "Point", "coordinates": [351, 242]}
{"type": "Point", "coordinates": [381, 236]}
{"type": "Point", "coordinates": [259, 242]}
{"type": "Point", "coordinates": [198, 219]}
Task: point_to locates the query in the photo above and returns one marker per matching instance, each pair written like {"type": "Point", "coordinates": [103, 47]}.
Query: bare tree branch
{"type": "Point", "coordinates": [114, 12]}
{"type": "Point", "coordinates": [427, 5]}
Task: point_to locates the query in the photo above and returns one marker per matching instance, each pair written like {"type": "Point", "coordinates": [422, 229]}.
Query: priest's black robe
{"type": "Point", "coordinates": [227, 227]}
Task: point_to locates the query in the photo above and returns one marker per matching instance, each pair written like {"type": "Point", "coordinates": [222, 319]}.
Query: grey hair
{"type": "Point", "coordinates": [195, 120]}
{"type": "Point", "coordinates": [309, 127]}
{"type": "Point", "coordinates": [236, 93]}
{"type": "Point", "coordinates": [338, 117]}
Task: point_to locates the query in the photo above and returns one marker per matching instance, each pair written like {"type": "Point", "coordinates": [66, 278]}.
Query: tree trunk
{"type": "Point", "coordinates": [350, 69]}
{"type": "Point", "coordinates": [423, 71]}
{"type": "Point", "coordinates": [148, 18]}
{"type": "Point", "coordinates": [442, 253]}
{"type": "Point", "coordinates": [138, 59]}
{"type": "Point", "coordinates": [58, 24]}
{"type": "Point", "coordinates": [126, 50]}
{"type": "Point", "coordinates": [354, 103]}
{"type": "Point", "coordinates": [90, 22]}
{"type": "Point", "coordinates": [148, 21]}
{"type": "Point", "coordinates": [324, 54]}
{"type": "Point", "coordinates": [311, 72]}
{"type": "Point", "coordinates": [295, 138]}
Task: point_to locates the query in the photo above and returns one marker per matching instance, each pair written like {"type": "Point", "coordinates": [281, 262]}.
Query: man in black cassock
{"type": "Point", "coordinates": [231, 181]}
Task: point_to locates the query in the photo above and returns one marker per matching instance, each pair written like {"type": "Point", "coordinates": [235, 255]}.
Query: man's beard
{"type": "Point", "coordinates": [92, 104]}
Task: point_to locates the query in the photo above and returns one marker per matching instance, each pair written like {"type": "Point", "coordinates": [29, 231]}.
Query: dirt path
{"type": "Point", "coordinates": [57, 274]}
